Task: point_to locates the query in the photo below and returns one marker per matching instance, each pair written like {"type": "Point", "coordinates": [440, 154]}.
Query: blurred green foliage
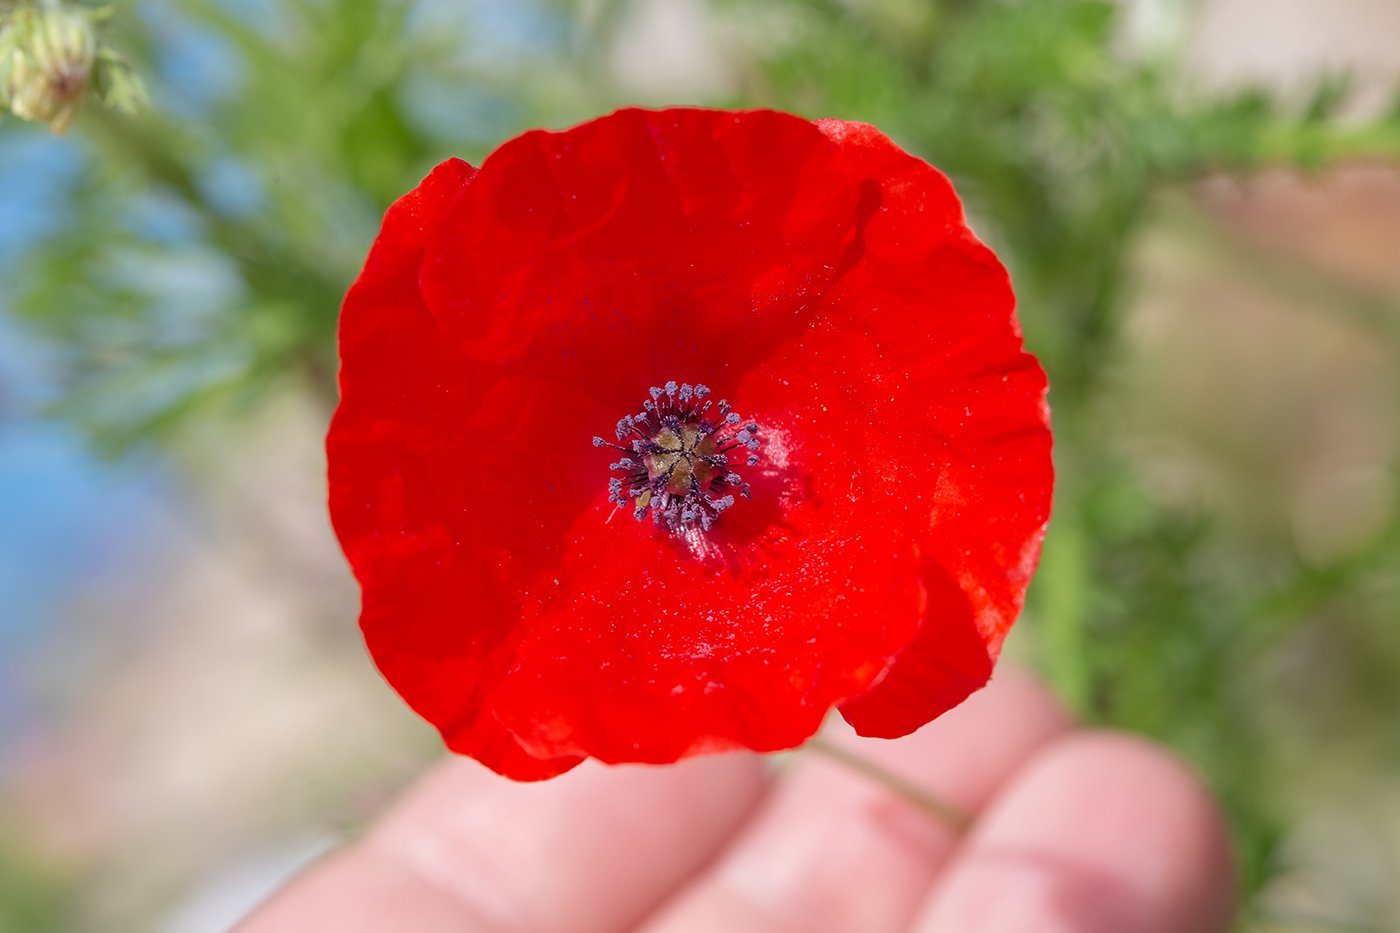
{"type": "Point", "coordinates": [264, 173]}
{"type": "Point", "coordinates": [33, 898]}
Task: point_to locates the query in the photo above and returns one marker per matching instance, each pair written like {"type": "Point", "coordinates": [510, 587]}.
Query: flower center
{"type": "Point", "coordinates": [680, 464]}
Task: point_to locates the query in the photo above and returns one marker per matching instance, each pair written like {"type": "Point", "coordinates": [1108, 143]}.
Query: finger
{"type": "Point", "coordinates": [833, 850]}
{"type": "Point", "coordinates": [1103, 833]}
{"type": "Point", "coordinates": [592, 851]}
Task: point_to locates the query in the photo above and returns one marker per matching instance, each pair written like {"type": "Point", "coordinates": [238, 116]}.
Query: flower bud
{"type": "Point", "coordinates": [51, 51]}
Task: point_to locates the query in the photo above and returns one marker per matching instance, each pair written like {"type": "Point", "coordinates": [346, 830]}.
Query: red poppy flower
{"type": "Point", "coordinates": [833, 472]}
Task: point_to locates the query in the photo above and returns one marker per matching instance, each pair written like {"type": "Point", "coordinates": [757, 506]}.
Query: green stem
{"type": "Point", "coordinates": [950, 814]}
{"type": "Point", "coordinates": [1064, 579]}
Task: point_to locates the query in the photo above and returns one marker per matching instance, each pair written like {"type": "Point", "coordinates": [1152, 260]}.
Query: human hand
{"type": "Point", "coordinates": [1076, 832]}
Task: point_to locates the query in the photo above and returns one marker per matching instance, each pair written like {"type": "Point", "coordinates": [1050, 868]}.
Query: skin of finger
{"type": "Point", "coordinates": [834, 850]}
{"type": "Point", "coordinates": [1102, 833]}
{"type": "Point", "coordinates": [360, 890]}
{"type": "Point", "coordinates": [592, 851]}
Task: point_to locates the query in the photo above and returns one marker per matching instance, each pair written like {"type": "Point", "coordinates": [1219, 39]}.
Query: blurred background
{"type": "Point", "coordinates": [1200, 206]}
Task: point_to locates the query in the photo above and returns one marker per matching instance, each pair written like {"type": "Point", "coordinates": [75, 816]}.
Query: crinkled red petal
{"type": "Point", "coordinates": [932, 310]}
{"type": "Point", "coordinates": [426, 615]}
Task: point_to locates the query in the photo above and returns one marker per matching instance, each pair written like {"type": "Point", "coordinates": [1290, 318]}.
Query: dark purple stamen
{"type": "Point", "coordinates": [681, 459]}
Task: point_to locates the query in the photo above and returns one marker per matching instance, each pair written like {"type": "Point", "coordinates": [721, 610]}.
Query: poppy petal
{"type": "Point", "coordinates": [969, 399]}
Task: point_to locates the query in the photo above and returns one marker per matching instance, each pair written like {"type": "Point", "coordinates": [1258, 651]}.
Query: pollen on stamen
{"type": "Point", "coordinates": [681, 473]}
